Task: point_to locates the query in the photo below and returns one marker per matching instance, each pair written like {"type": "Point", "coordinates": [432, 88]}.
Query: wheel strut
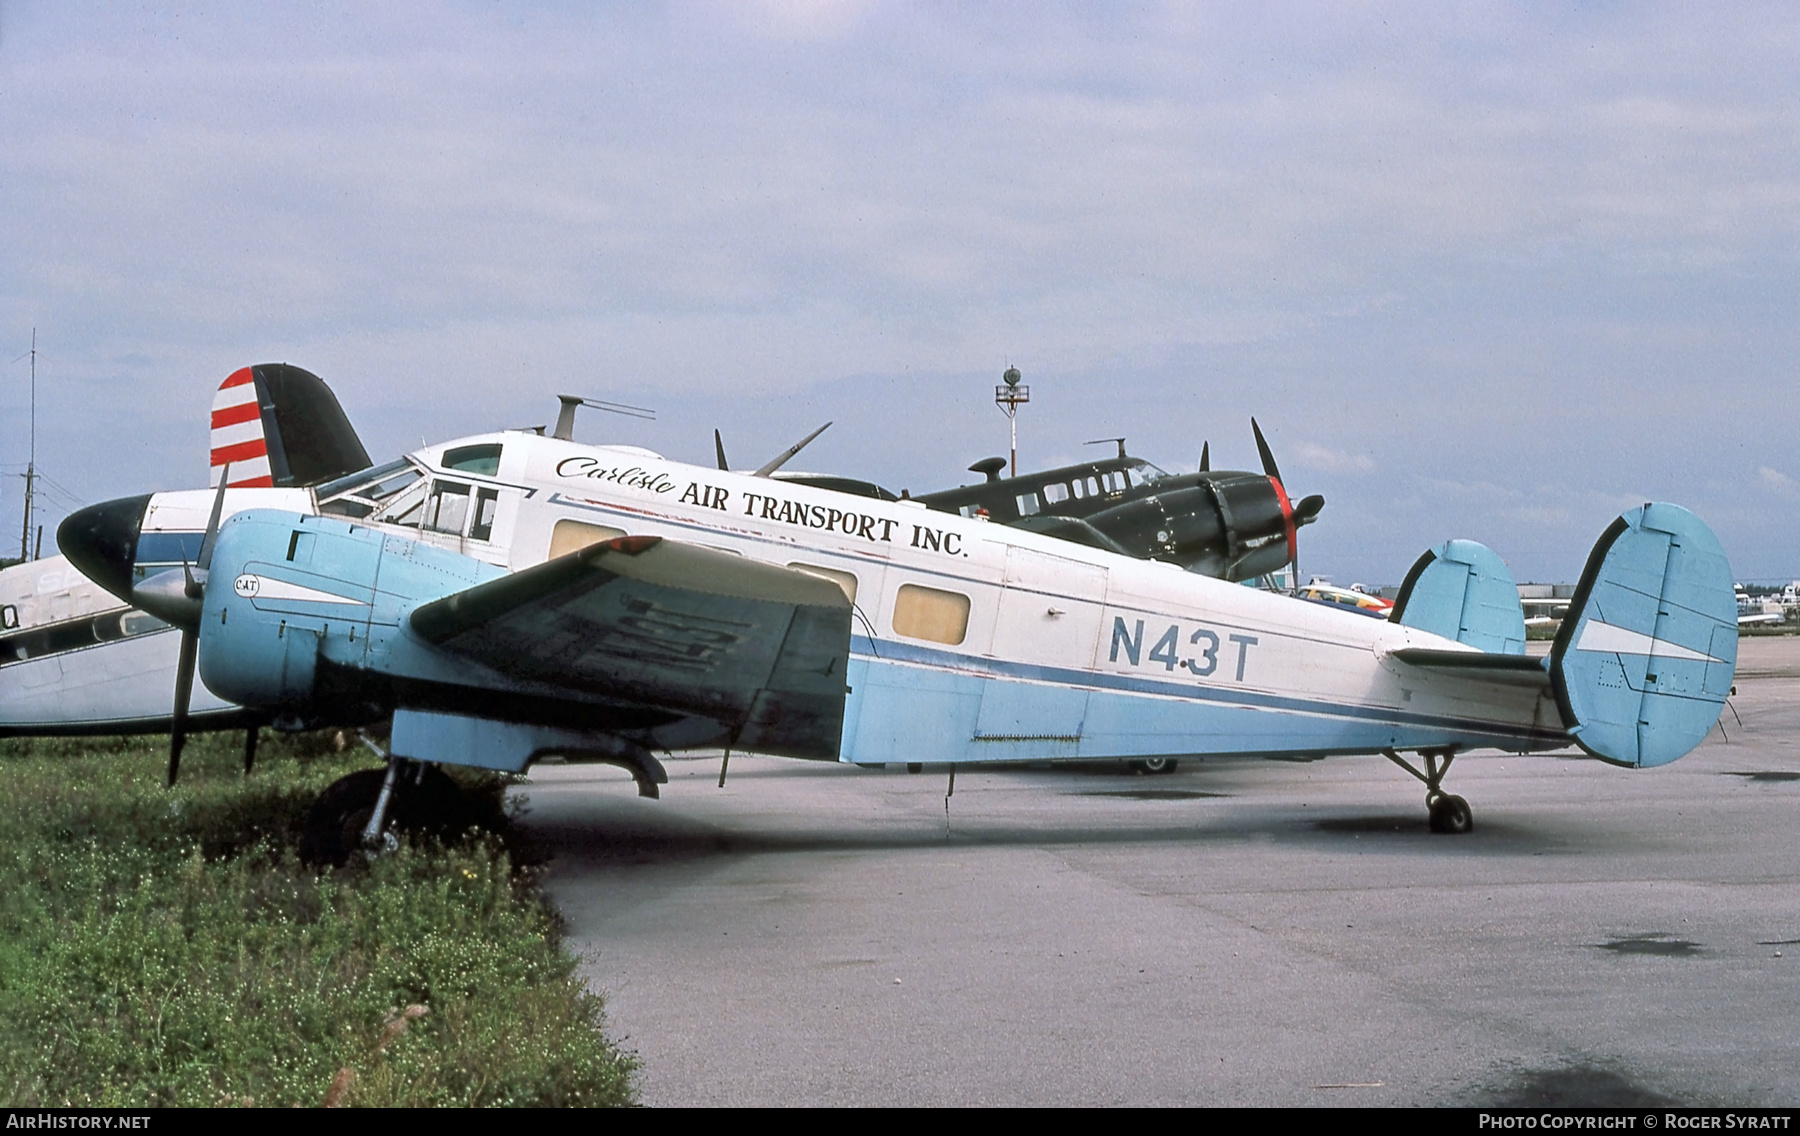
{"type": "Point", "coordinates": [1449, 813]}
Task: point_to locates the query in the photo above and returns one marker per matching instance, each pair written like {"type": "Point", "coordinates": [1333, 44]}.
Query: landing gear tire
{"type": "Point", "coordinates": [425, 801]}
{"type": "Point", "coordinates": [1154, 765]}
{"type": "Point", "coordinates": [1450, 814]}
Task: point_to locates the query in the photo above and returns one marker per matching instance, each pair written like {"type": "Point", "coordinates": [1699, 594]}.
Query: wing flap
{"type": "Point", "coordinates": [758, 648]}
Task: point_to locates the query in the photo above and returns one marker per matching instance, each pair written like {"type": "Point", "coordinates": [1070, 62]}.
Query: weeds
{"type": "Point", "coordinates": [164, 947]}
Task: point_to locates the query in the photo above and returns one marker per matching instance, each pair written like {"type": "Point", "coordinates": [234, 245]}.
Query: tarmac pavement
{"type": "Point", "coordinates": [1243, 933]}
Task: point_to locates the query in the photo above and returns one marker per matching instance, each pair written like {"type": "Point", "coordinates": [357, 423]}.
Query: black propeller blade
{"type": "Point", "coordinates": [190, 632]}
{"type": "Point", "coordinates": [184, 691]}
{"type": "Point", "coordinates": [1205, 457]}
{"type": "Point", "coordinates": [1262, 448]}
{"type": "Point", "coordinates": [719, 448]}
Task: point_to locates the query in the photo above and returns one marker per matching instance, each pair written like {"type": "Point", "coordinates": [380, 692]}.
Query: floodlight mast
{"type": "Point", "coordinates": [1009, 397]}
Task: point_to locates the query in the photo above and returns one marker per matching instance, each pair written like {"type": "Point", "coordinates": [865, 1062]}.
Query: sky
{"type": "Point", "coordinates": [1494, 272]}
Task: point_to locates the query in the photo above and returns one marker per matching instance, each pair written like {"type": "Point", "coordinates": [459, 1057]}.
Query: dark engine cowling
{"type": "Point", "coordinates": [1236, 526]}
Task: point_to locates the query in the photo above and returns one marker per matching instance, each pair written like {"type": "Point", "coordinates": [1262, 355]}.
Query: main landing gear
{"type": "Point", "coordinates": [1154, 766]}
{"type": "Point", "coordinates": [1448, 812]}
{"type": "Point", "coordinates": [364, 811]}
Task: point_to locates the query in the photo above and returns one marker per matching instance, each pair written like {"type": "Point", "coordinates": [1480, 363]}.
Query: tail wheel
{"type": "Point", "coordinates": [1450, 814]}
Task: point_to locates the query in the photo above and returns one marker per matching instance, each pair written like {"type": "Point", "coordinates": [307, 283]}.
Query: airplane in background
{"type": "Point", "coordinates": [1232, 524]}
{"type": "Point", "coordinates": [1354, 599]}
{"type": "Point", "coordinates": [507, 597]}
{"type": "Point", "coordinates": [74, 659]}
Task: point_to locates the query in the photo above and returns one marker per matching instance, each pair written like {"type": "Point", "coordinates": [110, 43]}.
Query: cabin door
{"type": "Point", "coordinates": [1045, 634]}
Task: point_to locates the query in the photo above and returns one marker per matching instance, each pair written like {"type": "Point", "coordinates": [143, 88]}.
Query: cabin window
{"type": "Point", "coordinates": [136, 622]}
{"type": "Point", "coordinates": [844, 580]}
{"type": "Point", "coordinates": [9, 616]}
{"type": "Point", "coordinates": [1028, 504]}
{"type": "Point", "coordinates": [573, 536]}
{"type": "Point", "coordinates": [1115, 481]}
{"type": "Point", "coordinates": [929, 613]}
{"type": "Point", "coordinates": [1056, 493]}
{"type": "Point", "coordinates": [483, 459]}
{"type": "Point", "coordinates": [487, 503]}
{"type": "Point", "coordinates": [448, 509]}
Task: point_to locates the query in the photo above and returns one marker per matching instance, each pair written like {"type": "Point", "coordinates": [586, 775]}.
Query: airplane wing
{"type": "Point", "coordinates": [759, 648]}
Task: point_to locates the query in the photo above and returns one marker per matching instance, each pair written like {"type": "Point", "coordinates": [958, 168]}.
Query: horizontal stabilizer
{"type": "Point", "coordinates": [1645, 658]}
{"type": "Point", "coordinates": [1514, 670]}
{"type": "Point", "coordinates": [1463, 591]}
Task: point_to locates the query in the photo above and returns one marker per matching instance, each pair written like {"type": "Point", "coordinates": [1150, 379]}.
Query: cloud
{"type": "Point", "coordinates": [1463, 240]}
{"type": "Point", "coordinates": [1333, 461]}
{"type": "Point", "coordinates": [1774, 481]}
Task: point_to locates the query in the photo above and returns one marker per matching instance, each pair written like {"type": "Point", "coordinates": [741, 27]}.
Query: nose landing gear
{"type": "Point", "coordinates": [1448, 812]}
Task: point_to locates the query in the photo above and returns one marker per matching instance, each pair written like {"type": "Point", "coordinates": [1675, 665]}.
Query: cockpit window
{"type": "Point", "coordinates": [482, 459]}
{"type": "Point", "coordinates": [1144, 473]}
{"type": "Point", "coordinates": [447, 509]}
{"type": "Point", "coordinates": [363, 493]}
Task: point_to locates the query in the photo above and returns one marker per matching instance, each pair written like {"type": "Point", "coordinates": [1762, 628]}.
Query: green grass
{"type": "Point", "coordinates": [164, 947]}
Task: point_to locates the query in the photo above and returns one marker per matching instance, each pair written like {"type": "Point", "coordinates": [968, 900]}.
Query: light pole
{"type": "Point", "coordinates": [1009, 397]}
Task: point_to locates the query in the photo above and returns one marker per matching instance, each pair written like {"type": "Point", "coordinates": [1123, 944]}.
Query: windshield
{"type": "Point", "coordinates": [362, 493]}
{"type": "Point", "coordinates": [1145, 473]}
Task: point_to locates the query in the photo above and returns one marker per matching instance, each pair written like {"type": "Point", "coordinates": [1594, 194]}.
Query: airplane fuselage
{"type": "Point", "coordinates": [974, 641]}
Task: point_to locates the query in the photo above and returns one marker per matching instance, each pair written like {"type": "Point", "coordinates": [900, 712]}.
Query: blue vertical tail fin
{"type": "Point", "coordinates": [1463, 591]}
{"type": "Point", "coordinates": [1645, 657]}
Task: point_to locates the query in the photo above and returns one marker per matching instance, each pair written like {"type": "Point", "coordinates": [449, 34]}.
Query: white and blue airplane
{"type": "Point", "coordinates": [509, 597]}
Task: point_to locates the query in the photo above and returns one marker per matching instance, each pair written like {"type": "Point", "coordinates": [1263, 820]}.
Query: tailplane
{"type": "Point", "coordinates": [1644, 659]}
{"type": "Point", "coordinates": [278, 425]}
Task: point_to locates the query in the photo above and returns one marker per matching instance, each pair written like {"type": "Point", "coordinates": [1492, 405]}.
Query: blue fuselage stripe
{"type": "Point", "coordinates": [909, 654]}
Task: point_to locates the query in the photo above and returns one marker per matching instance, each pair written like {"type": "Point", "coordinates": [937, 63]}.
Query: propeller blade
{"type": "Point", "coordinates": [781, 459]}
{"type": "Point", "coordinates": [204, 560]}
{"type": "Point", "coordinates": [1306, 510]}
{"type": "Point", "coordinates": [719, 448]}
{"type": "Point", "coordinates": [1205, 457]}
{"type": "Point", "coordinates": [250, 747]}
{"type": "Point", "coordinates": [195, 587]}
{"type": "Point", "coordinates": [1262, 447]}
{"type": "Point", "coordinates": [184, 690]}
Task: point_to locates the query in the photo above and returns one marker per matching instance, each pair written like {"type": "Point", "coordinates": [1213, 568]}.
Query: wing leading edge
{"type": "Point", "coordinates": [760, 649]}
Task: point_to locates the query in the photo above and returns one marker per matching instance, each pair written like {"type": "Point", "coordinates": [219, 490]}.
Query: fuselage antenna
{"type": "Point", "coordinates": [565, 418]}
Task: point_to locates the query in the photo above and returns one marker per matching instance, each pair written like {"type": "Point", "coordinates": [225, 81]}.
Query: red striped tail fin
{"type": "Point", "coordinates": [238, 437]}
{"type": "Point", "coordinates": [279, 425]}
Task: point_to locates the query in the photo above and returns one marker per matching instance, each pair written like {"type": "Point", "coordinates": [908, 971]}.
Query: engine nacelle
{"type": "Point", "coordinates": [1206, 527]}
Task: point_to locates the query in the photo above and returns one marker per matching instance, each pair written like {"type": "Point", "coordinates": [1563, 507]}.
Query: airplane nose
{"type": "Point", "coordinates": [101, 540]}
